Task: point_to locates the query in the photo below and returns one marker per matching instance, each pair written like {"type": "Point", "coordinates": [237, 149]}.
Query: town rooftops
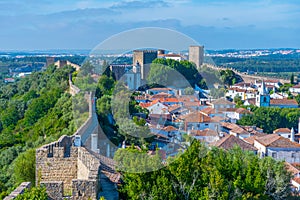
{"type": "Point", "coordinates": [294, 168]}
{"type": "Point", "coordinates": [234, 128]}
{"type": "Point", "coordinates": [296, 86]}
{"type": "Point", "coordinates": [276, 141]}
{"type": "Point", "coordinates": [205, 132]}
{"type": "Point", "coordinates": [161, 95]}
{"type": "Point", "coordinates": [170, 128]}
{"type": "Point", "coordinates": [207, 111]}
{"type": "Point", "coordinates": [283, 102]}
{"type": "Point", "coordinates": [160, 89]}
{"type": "Point", "coordinates": [230, 141]}
{"type": "Point", "coordinates": [222, 101]}
{"type": "Point", "coordinates": [282, 130]}
{"type": "Point", "coordinates": [196, 117]}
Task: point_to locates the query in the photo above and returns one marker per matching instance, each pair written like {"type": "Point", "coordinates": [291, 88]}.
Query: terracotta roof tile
{"type": "Point", "coordinates": [170, 128]}
{"type": "Point", "coordinates": [229, 141]}
{"type": "Point", "coordinates": [296, 86]}
{"type": "Point", "coordinates": [205, 132]}
{"type": "Point", "coordinates": [283, 102]}
{"type": "Point", "coordinates": [282, 130]}
{"type": "Point", "coordinates": [222, 101]}
{"type": "Point", "coordinates": [293, 167]}
{"type": "Point", "coordinates": [208, 111]}
{"type": "Point", "coordinates": [274, 140]}
{"type": "Point", "coordinates": [196, 117]}
{"type": "Point", "coordinates": [161, 95]}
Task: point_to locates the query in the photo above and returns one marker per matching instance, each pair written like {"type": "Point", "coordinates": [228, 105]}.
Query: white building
{"type": "Point", "coordinates": [278, 147]}
{"type": "Point", "coordinates": [295, 89]}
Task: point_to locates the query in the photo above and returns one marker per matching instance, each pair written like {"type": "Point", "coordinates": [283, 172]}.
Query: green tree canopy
{"type": "Point", "coordinates": [200, 173]}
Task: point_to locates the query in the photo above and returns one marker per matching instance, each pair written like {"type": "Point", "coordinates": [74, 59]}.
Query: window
{"type": "Point", "coordinates": [274, 155]}
{"type": "Point", "coordinates": [293, 155]}
{"type": "Point", "coordinates": [206, 124]}
{"type": "Point", "coordinates": [265, 99]}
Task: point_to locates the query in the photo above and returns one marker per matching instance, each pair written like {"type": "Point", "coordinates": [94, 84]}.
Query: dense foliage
{"type": "Point", "coordinates": [36, 193]}
{"type": "Point", "coordinates": [269, 118]}
{"type": "Point", "coordinates": [167, 71]}
{"type": "Point", "coordinates": [200, 173]}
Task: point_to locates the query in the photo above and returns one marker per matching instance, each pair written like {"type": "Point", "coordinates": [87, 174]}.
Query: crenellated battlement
{"type": "Point", "coordinates": [68, 170]}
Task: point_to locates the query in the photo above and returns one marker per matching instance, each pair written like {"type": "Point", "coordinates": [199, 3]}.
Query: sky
{"type": "Point", "coordinates": [83, 24]}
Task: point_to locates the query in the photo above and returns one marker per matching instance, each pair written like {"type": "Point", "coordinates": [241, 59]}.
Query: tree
{"type": "Point", "coordinates": [24, 167]}
{"type": "Point", "coordinates": [202, 173]}
{"type": "Point", "coordinates": [105, 86]}
{"type": "Point", "coordinates": [168, 71]}
{"type": "Point", "coordinates": [269, 118]}
{"type": "Point", "coordinates": [292, 79]}
{"type": "Point", "coordinates": [238, 100]}
{"type": "Point", "coordinates": [38, 193]}
{"type": "Point", "coordinates": [189, 91]}
{"type": "Point", "coordinates": [298, 99]}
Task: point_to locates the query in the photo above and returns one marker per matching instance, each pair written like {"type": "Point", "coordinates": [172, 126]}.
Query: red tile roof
{"type": "Point", "coordinates": [296, 86]}
{"type": "Point", "coordinates": [170, 128]}
{"type": "Point", "coordinates": [205, 132]}
{"type": "Point", "coordinates": [168, 100]}
{"type": "Point", "coordinates": [282, 130]}
{"type": "Point", "coordinates": [274, 140]}
{"type": "Point", "coordinates": [283, 102]}
{"type": "Point", "coordinates": [161, 95]}
{"type": "Point", "coordinates": [196, 117]}
{"type": "Point", "coordinates": [174, 107]}
{"type": "Point", "coordinates": [229, 141]}
{"type": "Point", "coordinates": [222, 101]}
{"type": "Point", "coordinates": [209, 110]}
{"type": "Point", "coordinates": [293, 167]}
{"type": "Point", "coordinates": [161, 89]}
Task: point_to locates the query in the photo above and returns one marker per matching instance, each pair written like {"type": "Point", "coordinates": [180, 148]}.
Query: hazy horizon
{"type": "Point", "coordinates": [216, 24]}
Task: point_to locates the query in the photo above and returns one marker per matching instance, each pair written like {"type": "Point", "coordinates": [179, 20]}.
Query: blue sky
{"type": "Point", "coordinates": [217, 24]}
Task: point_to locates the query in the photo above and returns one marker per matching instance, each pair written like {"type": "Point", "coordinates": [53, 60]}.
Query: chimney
{"type": "Point", "coordinates": [292, 135]}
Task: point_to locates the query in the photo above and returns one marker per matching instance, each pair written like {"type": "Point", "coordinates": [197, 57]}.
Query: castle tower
{"type": "Point", "coordinates": [263, 98]}
{"type": "Point", "coordinates": [49, 61]}
{"type": "Point", "coordinates": [144, 58]}
{"type": "Point", "coordinates": [196, 55]}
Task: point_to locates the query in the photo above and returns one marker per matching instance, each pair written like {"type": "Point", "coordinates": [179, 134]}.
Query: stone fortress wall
{"type": "Point", "coordinates": [67, 170]}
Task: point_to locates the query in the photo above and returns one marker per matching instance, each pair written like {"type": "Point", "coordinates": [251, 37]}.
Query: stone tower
{"type": "Point", "coordinates": [196, 55]}
{"type": "Point", "coordinates": [49, 61]}
{"type": "Point", "coordinates": [263, 97]}
{"type": "Point", "coordinates": [144, 58]}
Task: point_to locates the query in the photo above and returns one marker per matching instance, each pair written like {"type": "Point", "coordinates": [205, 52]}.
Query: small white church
{"type": "Point", "coordinates": [133, 77]}
{"type": "Point", "coordinates": [263, 97]}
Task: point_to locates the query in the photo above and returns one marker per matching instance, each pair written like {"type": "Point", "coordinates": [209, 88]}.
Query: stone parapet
{"type": "Point", "coordinates": [19, 190]}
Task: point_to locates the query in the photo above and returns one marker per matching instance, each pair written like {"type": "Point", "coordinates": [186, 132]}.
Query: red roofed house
{"type": "Point", "coordinates": [199, 121]}
{"type": "Point", "coordinates": [278, 147]}
{"type": "Point", "coordinates": [154, 91]}
{"type": "Point", "coordinates": [294, 169]}
{"type": "Point", "coordinates": [206, 135]}
{"type": "Point", "coordinates": [230, 141]}
{"type": "Point", "coordinates": [284, 103]}
{"type": "Point", "coordinates": [284, 132]}
{"type": "Point", "coordinates": [295, 89]}
{"type": "Point", "coordinates": [158, 108]}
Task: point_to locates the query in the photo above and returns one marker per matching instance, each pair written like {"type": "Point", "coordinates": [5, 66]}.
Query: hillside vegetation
{"type": "Point", "coordinates": [34, 111]}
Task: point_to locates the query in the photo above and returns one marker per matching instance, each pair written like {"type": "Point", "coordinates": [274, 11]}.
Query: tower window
{"type": "Point", "coordinates": [265, 99]}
